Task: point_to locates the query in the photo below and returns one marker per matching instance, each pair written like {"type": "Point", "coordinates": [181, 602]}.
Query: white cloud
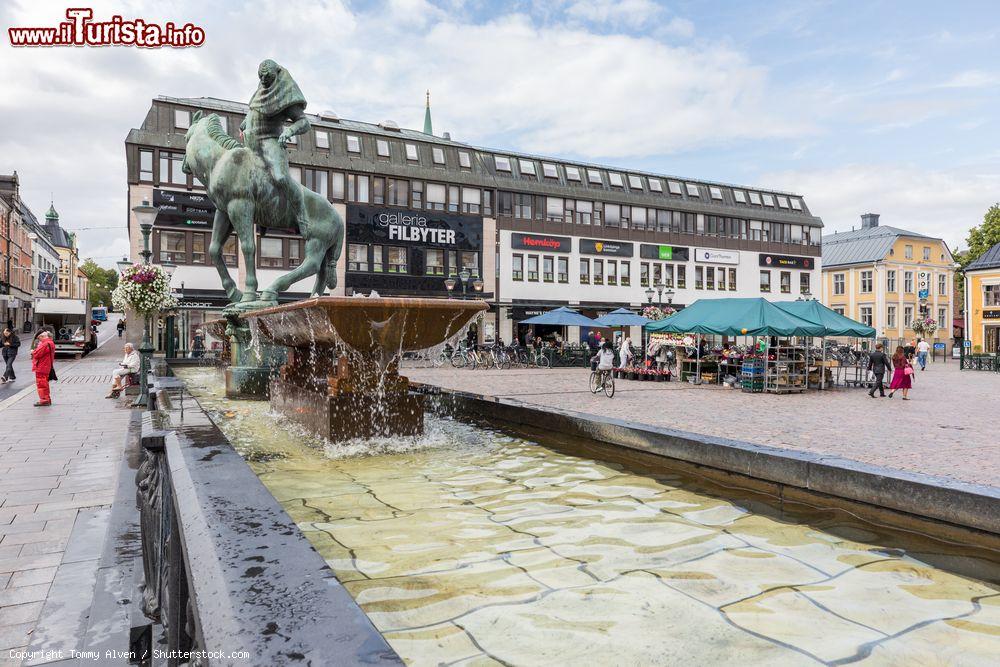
{"type": "Point", "coordinates": [938, 203]}
{"type": "Point", "coordinates": [547, 86]}
{"type": "Point", "coordinates": [973, 78]}
{"type": "Point", "coordinates": [631, 13]}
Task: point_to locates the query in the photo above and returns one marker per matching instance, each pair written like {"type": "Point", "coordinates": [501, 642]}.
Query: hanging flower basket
{"type": "Point", "coordinates": [143, 288]}
{"type": "Point", "coordinates": [924, 326]}
{"type": "Point", "coordinates": [657, 313]}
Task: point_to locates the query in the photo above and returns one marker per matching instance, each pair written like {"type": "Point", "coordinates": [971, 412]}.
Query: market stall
{"type": "Point", "coordinates": [772, 362]}
{"type": "Point", "coordinates": [834, 324]}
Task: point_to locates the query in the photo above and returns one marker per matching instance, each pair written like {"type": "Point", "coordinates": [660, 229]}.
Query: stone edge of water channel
{"type": "Point", "coordinates": [931, 504]}
{"type": "Point", "coordinates": [258, 584]}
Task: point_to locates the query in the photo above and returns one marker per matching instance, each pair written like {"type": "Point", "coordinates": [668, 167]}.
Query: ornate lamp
{"type": "Point", "coordinates": [145, 215]}
{"type": "Point", "coordinates": [123, 264]}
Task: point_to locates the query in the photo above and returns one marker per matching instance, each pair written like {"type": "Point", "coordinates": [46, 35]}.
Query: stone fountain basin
{"type": "Point", "coordinates": [367, 324]}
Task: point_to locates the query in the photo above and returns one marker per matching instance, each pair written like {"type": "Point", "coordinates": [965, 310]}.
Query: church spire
{"type": "Point", "coordinates": [428, 128]}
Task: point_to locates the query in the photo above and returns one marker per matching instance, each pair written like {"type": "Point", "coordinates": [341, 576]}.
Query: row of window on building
{"type": "Point", "coordinates": [593, 271]}
{"type": "Point", "coordinates": [866, 315]}
{"type": "Point", "coordinates": [867, 282]}
{"type": "Point", "coordinates": [426, 195]}
{"type": "Point", "coordinates": [533, 170]}
{"type": "Point", "coordinates": [377, 258]}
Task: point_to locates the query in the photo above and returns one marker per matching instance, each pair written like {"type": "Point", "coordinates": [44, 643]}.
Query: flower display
{"type": "Point", "coordinates": [924, 325]}
{"type": "Point", "coordinates": [657, 313]}
{"type": "Point", "coordinates": [143, 288]}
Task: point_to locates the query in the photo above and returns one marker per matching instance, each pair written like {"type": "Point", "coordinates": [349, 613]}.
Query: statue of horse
{"type": "Point", "coordinates": [239, 184]}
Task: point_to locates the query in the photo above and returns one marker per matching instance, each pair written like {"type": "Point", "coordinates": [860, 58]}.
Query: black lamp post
{"type": "Point", "coordinates": [660, 287]}
{"type": "Point", "coordinates": [146, 215]}
{"type": "Point", "coordinates": [464, 277]}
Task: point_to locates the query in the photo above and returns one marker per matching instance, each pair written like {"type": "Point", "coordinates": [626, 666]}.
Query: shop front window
{"type": "Point", "coordinates": [643, 274]}
{"type": "Point", "coordinates": [533, 268]}
{"type": "Point", "coordinates": [584, 271]}
{"type": "Point", "coordinates": [598, 271]}
{"type": "Point", "coordinates": [517, 267]}
{"type": "Point", "coordinates": [548, 269]}
{"type": "Point", "coordinates": [230, 249]}
{"type": "Point", "coordinates": [397, 260]}
{"type": "Point", "coordinates": [765, 281]}
{"type": "Point", "coordinates": [626, 272]}
{"type": "Point", "coordinates": [710, 278]}
{"type": "Point", "coordinates": [612, 272]}
{"type": "Point", "coordinates": [804, 283]}
{"type": "Point", "coordinates": [271, 255]}
{"type": "Point", "coordinates": [197, 248]}
{"type": "Point", "coordinates": [991, 295]}
{"type": "Point", "coordinates": [563, 269]}
{"type": "Point", "coordinates": [732, 280]}
{"type": "Point", "coordinates": [294, 252]}
{"type": "Point", "coordinates": [470, 262]}
{"type": "Point", "coordinates": [357, 257]}
{"type": "Point", "coordinates": [434, 262]}
{"type": "Point", "coordinates": [786, 282]}
{"type": "Point", "coordinates": [173, 247]}
{"type": "Point", "coordinates": [699, 277]}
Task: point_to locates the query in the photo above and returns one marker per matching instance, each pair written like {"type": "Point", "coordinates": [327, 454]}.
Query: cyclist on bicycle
{"type": "Point", "coordinates": [605, 357]}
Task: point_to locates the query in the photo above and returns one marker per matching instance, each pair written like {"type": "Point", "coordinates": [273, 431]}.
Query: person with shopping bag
{"type": "Point", "coordinates": [902, 374]}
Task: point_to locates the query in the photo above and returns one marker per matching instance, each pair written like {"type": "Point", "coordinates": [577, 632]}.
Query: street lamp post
{"type": "Point", "coordinates": [146, 215]}
{"type": "Point", "coordinates": [465, 278]}
{"type": "Point", "coordinates": [659, 294]}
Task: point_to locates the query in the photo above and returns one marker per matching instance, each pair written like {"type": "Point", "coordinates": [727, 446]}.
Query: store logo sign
{"type": "Point", "coordinates": [616, 248]}
{"type": "Point", "coordinates": [413, 227]}
{"type": "Point", "coordinates": [714, 256]}
{"type": "Point", "coordinates": [666, 252]}
{"type": "Point", "coordinates": [538, 242]}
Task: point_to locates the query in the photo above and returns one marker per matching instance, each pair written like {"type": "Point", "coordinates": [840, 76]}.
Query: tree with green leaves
{"type": "Point", "coordinates": [102, 282]}
{"type": "Point", "coordinates": [983, 237]}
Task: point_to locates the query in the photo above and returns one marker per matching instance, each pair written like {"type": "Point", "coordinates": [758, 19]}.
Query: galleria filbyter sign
{"type": "Point", "coordinates": [390, 226]}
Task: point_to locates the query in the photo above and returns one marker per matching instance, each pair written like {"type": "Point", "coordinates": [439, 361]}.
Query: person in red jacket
{"type": "Point", "coordinates": [42, 358]}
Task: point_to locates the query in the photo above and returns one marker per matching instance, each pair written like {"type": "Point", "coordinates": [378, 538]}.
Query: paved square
{"type": "Point", "coordinates": [947, 428]}
{"type": "Point", "coordinates": [58, 473]}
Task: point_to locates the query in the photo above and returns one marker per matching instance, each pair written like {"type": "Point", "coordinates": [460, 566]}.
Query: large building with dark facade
{"type": "Point", "coordinates": [539, 232]}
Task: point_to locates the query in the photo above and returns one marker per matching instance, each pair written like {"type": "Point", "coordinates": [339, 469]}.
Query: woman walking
{"type": "Point", "coordinates": [10, 342]}
{"type": "Point", "coordinates": [625, 353]}
{"type": "Point", "coordinates": [42, 358]}
{"type": "Point", "coordinates": [902, 374]}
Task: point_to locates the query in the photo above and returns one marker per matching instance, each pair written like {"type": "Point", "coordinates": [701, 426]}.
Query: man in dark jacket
{"type": "Point", "coordinates": [10, 342]}
{"type": "Point", "coordinates": [878, 364]}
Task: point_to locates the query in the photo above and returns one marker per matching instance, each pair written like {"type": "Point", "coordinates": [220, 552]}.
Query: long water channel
{"type": "Point", "coordinates": [471, 545]}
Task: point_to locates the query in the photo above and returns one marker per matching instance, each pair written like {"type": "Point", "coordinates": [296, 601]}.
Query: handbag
{"type": "Point", "coordinates": [52, 374]}
{"type": "Point", "coordinates": [908, 370]}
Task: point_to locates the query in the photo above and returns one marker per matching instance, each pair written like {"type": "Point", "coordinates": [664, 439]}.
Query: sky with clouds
{"type": "Point", "coordinates": [887, 107]}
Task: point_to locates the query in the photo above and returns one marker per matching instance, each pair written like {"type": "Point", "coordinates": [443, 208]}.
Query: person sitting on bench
{"type": "Point", "coordinates": [129, 364]}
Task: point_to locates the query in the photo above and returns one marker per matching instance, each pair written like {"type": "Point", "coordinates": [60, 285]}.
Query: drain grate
{"type": "Point", "coordinates": [85, 379]}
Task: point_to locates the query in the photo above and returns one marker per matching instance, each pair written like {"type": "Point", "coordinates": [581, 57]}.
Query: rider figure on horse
{"type": "Point", "coordinates": [276, 101]}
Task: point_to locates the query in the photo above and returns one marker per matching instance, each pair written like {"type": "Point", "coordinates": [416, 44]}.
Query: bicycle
{"type": "Point", "coordinates": [539, 359]}
{"type": "Point", "coordinates": [602, 379]}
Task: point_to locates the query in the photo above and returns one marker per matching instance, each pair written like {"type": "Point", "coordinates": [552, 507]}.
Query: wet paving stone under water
{"type": "Point", "coordinates": [473, 546]}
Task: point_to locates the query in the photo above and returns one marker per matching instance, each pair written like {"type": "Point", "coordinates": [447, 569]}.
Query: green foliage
{"type": "Point", "coordinates": [102, 282]}
{"type": "Point", "coordinates": [983, 237]}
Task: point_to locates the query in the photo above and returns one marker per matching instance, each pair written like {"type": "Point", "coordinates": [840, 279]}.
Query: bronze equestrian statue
{"type": "Point", "coordinates": [250, 185]}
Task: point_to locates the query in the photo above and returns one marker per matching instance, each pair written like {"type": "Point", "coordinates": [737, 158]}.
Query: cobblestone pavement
{"type": "Point", "coordinates": [947, 428]}
{"type": "Point", "coordinates": [58, 470]}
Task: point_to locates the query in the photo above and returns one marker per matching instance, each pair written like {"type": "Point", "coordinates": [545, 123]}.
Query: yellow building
{"type": "Point", "coordinates": [982, 302]}
{"type": "Point", "coordinates": [887, 277]}
{"type": "Point", "coordinates": [69, 256]}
